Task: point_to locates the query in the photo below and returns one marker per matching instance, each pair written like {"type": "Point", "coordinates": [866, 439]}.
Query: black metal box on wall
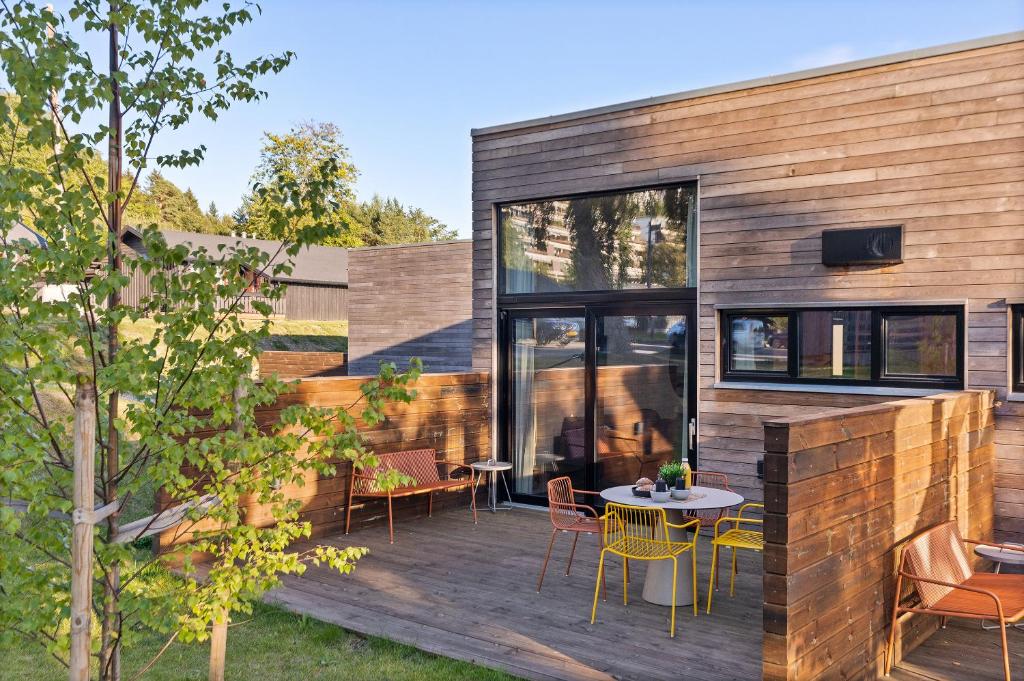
{"type": "Point", "coordinates": [868, 246]}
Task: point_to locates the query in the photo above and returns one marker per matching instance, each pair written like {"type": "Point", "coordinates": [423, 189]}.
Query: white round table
{"type": "Point", "coordinates": [491, 469]}
{"type": "Point", "coordinates": [658, 584]}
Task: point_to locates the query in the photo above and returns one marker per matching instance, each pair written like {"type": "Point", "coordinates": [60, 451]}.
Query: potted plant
{"type": "Point", "coordinates": [671, 471]}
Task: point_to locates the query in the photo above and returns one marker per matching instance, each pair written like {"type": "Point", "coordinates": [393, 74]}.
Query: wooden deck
{"type": "Point", "coordinates": [468, 592]}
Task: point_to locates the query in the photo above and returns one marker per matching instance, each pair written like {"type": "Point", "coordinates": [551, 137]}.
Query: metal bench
{"type": "Point", "coordinates": [422, 466]}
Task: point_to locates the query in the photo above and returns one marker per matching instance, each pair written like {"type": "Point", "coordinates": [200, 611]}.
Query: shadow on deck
{"type": "Point", "coordinates": [962, 652]}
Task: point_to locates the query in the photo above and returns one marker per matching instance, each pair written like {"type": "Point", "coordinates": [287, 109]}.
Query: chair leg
{"type": "Point", "coordinates": [711, 581]}
{"type": "Point", "coordinates": [890, 650]}
{"type": "Point", "coordinates": [675, 573]}
{"type": "Point", "coordinates": [348, 514]}
{"type": "Point", "coordinates": [543, 569]}
{"type": "Point", "coordinates": [391, 524]}
{"type": "Point", "coordinates": [1006, 650]}
{"type": "Point", "coordinates": [474, 484]}
{"type": "Point", "coordinates": [597, 587]}
{"type": "Point", "coordinates": [732, 576]}
{"type": "Point", "coordinates": [625, 567]}
{"type": "Point", "coordinates": [430, 504]}
{"type": "Point", "coordinates": [625, 578]}
{"type": "Point", "coordinates": [693, 557]}
{"type": "Point", "coordinates": [572, 552]}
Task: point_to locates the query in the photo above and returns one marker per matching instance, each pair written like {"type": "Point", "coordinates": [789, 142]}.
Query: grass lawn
{"type": "Point", "coordinates": [285, 334]}
{"type": "Point", "coordinates": [272, 645]}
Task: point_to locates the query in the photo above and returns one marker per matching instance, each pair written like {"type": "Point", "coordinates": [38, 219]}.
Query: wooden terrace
{"type": "Point", "coordinates": [467, 591]}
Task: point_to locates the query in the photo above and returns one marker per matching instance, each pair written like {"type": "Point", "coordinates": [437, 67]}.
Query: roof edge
{"type": "Point", "coordinates": [894, 58]}
{"type": "Point", "coordinates": [409, 245]}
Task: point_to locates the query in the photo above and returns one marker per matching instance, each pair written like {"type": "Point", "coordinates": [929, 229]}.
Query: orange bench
{"type": "Point", "coordinates": [422, 466]}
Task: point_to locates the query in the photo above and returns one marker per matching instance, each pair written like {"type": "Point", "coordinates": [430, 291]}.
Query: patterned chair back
{"type": "Point", "coordinates": [937, 553]}
{"type": "Point", "coordinates": [418, 464]}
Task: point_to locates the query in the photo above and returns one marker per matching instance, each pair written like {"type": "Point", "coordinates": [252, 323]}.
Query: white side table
{"type": "Point", "coordinates": [492, 469]}
{"type": "Point", "coordinates": [997, 555]}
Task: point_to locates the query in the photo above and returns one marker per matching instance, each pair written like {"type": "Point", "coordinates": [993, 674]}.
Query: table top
{"type": "Point", "coordinates": [1014, 556]}
{"type": "Point", "coordinates": [701, 498]}
{"type": "Point", "coordinates": [491, 465]}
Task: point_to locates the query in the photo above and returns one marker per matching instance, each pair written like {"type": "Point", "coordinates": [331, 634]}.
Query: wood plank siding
{"type": "Point", "coordinates": [411, 300]}
{"type": "Point", "coordinates": [316, 302]}
{"type": "Point", "coordinates": [934, 142]}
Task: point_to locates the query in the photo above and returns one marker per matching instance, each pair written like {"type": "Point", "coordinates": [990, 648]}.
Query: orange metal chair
{"type": "Point", "coordinates": [709, 517]}
{"type": "Point", "coordinates": [939, 566]}
{"type": "Point", "coordinates": [568, 516]}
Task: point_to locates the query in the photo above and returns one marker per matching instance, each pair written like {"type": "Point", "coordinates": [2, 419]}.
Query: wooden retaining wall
{"type": "Point", "coordinates": [450, 414]}
{"type": "Point", "coordinates": [935, 143]}
{"type": "Point", "coordinates": [289, 365]}
{"type": "Point", "coordinates": [842, 490]}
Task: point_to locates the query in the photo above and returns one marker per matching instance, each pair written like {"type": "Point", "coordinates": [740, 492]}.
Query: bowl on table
{"type": "Point", "coordinates": [660, 497]}
{"type": "Point", "coordinates": [680, 494]}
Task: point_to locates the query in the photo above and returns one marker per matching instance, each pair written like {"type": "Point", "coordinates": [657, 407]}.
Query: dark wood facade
{"type": "Point", "coordinates": [932, 140]}
{"type": "Point", "coordinates": [411, 300]}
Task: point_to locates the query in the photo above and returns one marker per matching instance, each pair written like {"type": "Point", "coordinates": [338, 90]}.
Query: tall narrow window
{"type": "Point", "coordinates": [1017, 348]}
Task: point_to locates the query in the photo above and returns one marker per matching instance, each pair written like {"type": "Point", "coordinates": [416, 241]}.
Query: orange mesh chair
{"type": "Point", "coordinates": [641, 533]}
{"type": "Point", "coordinates": [937, 563]}
{"type": "Point", "coordinates": [568, 516]}
{"type": "Point", "coordinates": [709, 517]}
{"type": "Point", "coordinates": [423, 466]}
{"type": "Point", "coordinates": [735, 538]}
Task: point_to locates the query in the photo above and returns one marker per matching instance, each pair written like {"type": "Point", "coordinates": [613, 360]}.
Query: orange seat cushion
{"type": "Point", "coordinates": [1009, 589]}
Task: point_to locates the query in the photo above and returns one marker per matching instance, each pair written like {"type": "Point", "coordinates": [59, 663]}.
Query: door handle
{"type": "Point", "coordinates": [693, 434]}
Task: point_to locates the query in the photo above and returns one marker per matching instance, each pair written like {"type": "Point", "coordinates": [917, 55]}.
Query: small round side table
{"type": "Point", "coordinates": [492, 469]}
{"type": "Point", "coordinates": [1012, 556]}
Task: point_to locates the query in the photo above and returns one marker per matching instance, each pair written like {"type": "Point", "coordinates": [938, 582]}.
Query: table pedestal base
{"type": "Point", "coordinates": [658, 584]}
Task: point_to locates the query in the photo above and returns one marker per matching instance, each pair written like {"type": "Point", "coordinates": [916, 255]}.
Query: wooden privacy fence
{"type": "Point", "coordinates": [450, 414]}
{"type": "Point", "coordinates": [842, 490]}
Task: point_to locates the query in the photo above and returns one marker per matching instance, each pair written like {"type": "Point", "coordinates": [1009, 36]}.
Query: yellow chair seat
{"type": "Point", "coordinates": [741, 539]}
{"type": "Point", "coordinates": [642, 548]}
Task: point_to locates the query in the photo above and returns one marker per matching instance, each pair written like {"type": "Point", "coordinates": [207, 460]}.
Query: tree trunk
{"type": "Point", "coordinates": [81, 537]}
{"type": "Point", "coordinates": [110, 655]}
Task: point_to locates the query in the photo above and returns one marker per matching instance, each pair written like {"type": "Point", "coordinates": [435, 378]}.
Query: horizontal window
{"type": "Point", "coordinates": [885, 346]}
{"type": "Point", "coordinates": [1017, 351]}
{"type": "Point", "coordinates": [601, 242]}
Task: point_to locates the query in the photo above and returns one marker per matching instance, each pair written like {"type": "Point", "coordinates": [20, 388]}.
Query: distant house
{"type": "Point", "coordinates": [317, 288]}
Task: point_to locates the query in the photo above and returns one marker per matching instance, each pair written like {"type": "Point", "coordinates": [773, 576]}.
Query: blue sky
{"type": "Point", "coordinates": [406, 81]}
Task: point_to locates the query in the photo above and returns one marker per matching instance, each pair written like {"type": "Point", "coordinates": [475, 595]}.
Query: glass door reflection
{"type": "Point", "coordinates": [642, 410]}
{"type": "Point", "coordinates": [547, 425]}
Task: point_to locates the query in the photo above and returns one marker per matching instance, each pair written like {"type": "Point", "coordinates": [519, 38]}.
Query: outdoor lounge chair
{"type": "Point", "coordinates": [939, 566]}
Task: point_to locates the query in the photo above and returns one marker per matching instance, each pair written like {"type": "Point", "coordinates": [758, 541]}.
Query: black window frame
{"type": "Point", "coordinates": [1017, 348]}
{"type": "Point", "coordinates": [878, 378]}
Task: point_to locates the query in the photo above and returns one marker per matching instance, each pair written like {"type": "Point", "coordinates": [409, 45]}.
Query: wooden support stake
{"type": "Point", "coordinates": [81, 537]}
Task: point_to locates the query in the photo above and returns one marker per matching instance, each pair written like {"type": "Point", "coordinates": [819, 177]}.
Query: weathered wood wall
{"type": "Point", "coordinates": [316, 302]}
{"type": "Point", "coordinates": [288, 365]}
{"type": "Point", "coordinates": [842, 490]}
{"type": "Point", "coordinates": [935, 143]}
{"type": "Point", "coordinates": [450, 414]}
{"type": "Point", "coordinates": [411, 301]}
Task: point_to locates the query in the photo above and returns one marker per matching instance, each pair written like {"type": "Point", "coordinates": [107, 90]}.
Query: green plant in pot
{"type": "Point", "coordinates": [671, 471]}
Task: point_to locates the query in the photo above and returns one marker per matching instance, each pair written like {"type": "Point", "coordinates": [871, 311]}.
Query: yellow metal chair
{"type": "Point", "coordinates": [639, 533]}
{"type": "Point", "coordinates": [734, 538]}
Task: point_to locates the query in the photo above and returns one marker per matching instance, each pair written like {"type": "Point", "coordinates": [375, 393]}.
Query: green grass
{"type": "Point", "coordinates": [272, 645]}
{"type": "Point", "coordinates": [284, 334]}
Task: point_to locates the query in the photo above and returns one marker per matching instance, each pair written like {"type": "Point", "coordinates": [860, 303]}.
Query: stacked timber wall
{"type": "Point", "coordinates": [411, 301]}
{"type": "Point", "coordinates": [842, 490]}
{"type": "Point", "coordinates": [450, 414]}
{"type": "Point", "coordinates": [288, 365]}
{"type": "Point", "coordinates": [935, 143]}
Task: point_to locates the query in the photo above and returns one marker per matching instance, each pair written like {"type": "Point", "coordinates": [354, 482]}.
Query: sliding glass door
{"type": "Point", "coordinates": [603, 394]}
